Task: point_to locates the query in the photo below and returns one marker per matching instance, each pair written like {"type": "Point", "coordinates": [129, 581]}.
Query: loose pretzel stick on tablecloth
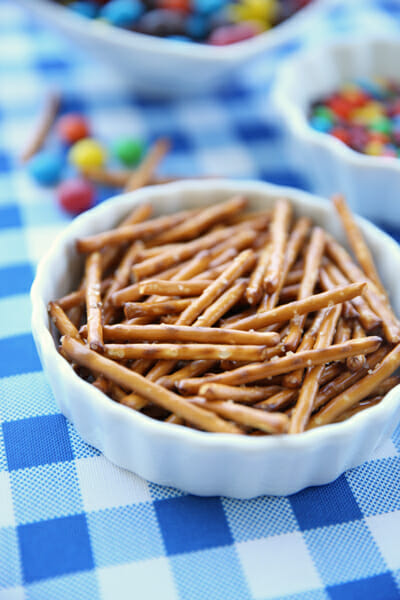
{"type": "Point", "coordinates": [202, 221]}
{"type": "Point", "coordinates": [93, 301]}
{"type": "Point", "coordinates": [285, 364]}
{"type": "Point", "coordinates": [373, 296]}
{"type": "Point", "coordinates": [47, 118]}
{"type": "Point", "coordinates": [308, 391]}
{"type": "Point", "coordinates": [143, 174]}
{"type": "Point", "coordinates": [130, 233]}
{"type": "Point", "coordinates": [312, 264]}
{"type": "Point", "coordinates": [182, 333]}
{"type": "Point", "coordinates": [244, 415]}
{"type": "Point", "coordinates": [279, 233]}
{"type": "Point", "coordinates": [152, 392]}
{"type": "Point", "coordinates": [249, 395]}
{"type": "Point", "coordinates": [349, 398]}
{"type": "Point", "coordinates": [299, 308]}
{"type": "Point", "coordinates": [357, 242]}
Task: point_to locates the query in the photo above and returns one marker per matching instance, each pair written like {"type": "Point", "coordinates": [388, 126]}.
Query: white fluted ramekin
{"type": "Point", "coordinates": [371, 183]}
{"type": "Point", "coordinates": [199, 462]}
{"type": "Point", "coordinates": [164, 67]}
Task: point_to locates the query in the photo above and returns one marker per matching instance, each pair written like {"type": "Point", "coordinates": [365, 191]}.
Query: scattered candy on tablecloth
{"type": "Point", "coordinates": [46, 167]}
{"type": "Point", "coordinates": [72, 127]}
{"type": "Point", "coordinates": [217, 22]}
{"type": "Point", "coordinates": [87, 154]}
{"type": "Point", "coordinates": [364, 115]}
{"type": "Point", "coordinates": [128, 150]}
{"type": "Point", "coordinates": [76, 195]}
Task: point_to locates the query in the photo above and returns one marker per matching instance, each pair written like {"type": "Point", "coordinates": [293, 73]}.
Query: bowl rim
{"type": "Point", "coordinates": [152, 44]}
{"type": "Point", "coordinates": [297, 118]}
{"type": "Point", "coordinates": [232, 442]}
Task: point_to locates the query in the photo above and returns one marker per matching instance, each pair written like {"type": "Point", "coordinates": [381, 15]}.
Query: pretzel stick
{"type": "Point", "coordinates": [93, 301]}
{"type": "Point", "coordinates": [255, 288]}
{"type": "Point", "coordinates": [184, 351]}
{"type": "Point", "coordinates": [300, 307]}
{"type": "Point", "coordinates": [355, 363]}
{"type": "Point", "coordinates": [279, 366]}
{"type": "Point", "coordinates": [387, 385]}
{"type": "Point", "coordinates": [367, 403]}
{"type": "Point", "coordinates": [47, 118]}
{"type": "Point", "coordinates": [358, 391]}
{"type": "Point", "coordinates": [102, 384]}
{"type": "Point", "coordinates": [61, 321]}
{"type": "Point", "coordinates": [137, 215]}
{"type": "Point", "coordinates": [249, 395]}
{"type": "Point", "coordinates": [279, 401]}
{"type": "Point", "coordinates": [244, 415]}
{"type": "Point", "coordinates": [294, 379]}
{"type": "Point", "coordinates": [327, 283]}
{"type": "Point", "coordinates": [152, 392]}
{"type": "Point", "coordinates": [167, 259]}
{"type": "Point", "coordinates": [129, 233]}
{"type": "Point", "coordinates": [121, 278]}
{"type": "Point", "coordinates": [279, 234]}
{"type": "Point", "coordinates": [369, 320]}
{"type": "Point", "coordinates": [288, 293]}
{"type": "Point", "coordinates": [136, 309]}
{"type": "Point", "coordinates": [222, 305]}
{"type": "Point", "coordinates": [76, 299]}
{"type": "Point", "coordinates": [294, 276]}
{"type": "Point", "coordinates": [357, 242]}
{"type": "Point", "coordinates": [145, 171]}
{"type": "Point", "coordinates": [182, 333]}
{"type": "Point", "coordinates": [346, 379]}
{"type": "Point", "coordinates": [173, 288]}
{"type": "Point", "coordinates": [174, 419]}
{"type": "Point", "coordinates": [343, 332]}
{"type": "Point", "coordinates": [192, 369]}
{"type": "Point", "coordinates": [312, 264]}
{"type": "Point", "coordinates": [309, 388]}
{"type": "Point", "coordinates": [204, 220]}
{"type": "Point", "coordinates": [376, 301]}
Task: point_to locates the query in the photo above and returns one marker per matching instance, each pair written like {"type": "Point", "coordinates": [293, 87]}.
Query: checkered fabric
{"type": "Point", "coordinates": [74, 526]}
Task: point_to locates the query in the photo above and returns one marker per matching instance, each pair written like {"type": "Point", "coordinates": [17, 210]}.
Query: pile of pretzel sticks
{"type": "Point", "coordinates": [230, 321]}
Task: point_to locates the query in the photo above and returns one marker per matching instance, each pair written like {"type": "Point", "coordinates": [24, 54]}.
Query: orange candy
{"type": "Point", "coordinates": [72, 127]}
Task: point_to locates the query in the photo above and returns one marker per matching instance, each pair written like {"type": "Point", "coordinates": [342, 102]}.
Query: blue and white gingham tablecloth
{"type": "Point", "coordinates": [73, 526]}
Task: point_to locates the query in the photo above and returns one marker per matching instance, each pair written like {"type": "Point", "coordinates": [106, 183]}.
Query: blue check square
{"type": "Point", "coordinates": [15, 279]}
{"type": "Point", "coordinates": [18, 355]}
{"type": "Point", "coordinates": [5, 162]}
{"type": "Point", "coordinates": [325, 505]}
{"type": "Point", "coordinates": [9, 216]}
{"type": "Point", "coordinates": [373, 588]}
{"type": "Point", "coordinates": [36, 441]}
{"type": "Point", "coordinates": [189, 523]}
{"type": "Point", "coordinates": [56, 547]}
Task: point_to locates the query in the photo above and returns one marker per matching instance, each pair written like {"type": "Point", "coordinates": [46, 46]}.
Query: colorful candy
{"type": "Point", "coordinates": [128, 150]}
{"type": "Point", "coordinates": [87, 154]}
{"type": "Point", "coordinates": [364, 115]}
{"type": "Point", "coordinates": [76, 195]}
{"type": "Point", "coordinates": [217, 22]}
{"type": "Point", "coordinates": [46, 168]}
{"type": "Point", "coordinates": [72, 127]}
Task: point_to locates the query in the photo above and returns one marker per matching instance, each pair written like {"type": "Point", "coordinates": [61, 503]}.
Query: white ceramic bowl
{"type": "Point", "coordinates": [199, 462]}
{"type": "Point", "coordinates": [371, 184]}
{"type": "Point", "coordinates": [166, 67]}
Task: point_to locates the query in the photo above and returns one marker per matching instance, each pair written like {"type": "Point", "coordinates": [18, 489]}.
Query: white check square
{"type": "Point", "coordinates": [386, 532]}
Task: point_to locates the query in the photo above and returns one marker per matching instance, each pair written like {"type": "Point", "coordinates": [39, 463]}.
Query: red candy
{"type": "Point", "coordinates": [341, 107]}
{"type": "Point", "coordinates": [75, 195]}
{"type": "Point", "coordinates": [72, 128]}
{"type": "Point", "coordinates": [341, 134]}
{"type": "Point", "coordinates": [180, 5]}
{"type": "Point", "coordinates": [231, 34]}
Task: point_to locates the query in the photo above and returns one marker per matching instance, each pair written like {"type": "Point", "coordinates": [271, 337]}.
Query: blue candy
{"type": "Point", "coordinates": [85, 9]}
{"type": "Point", "coordinates": [46, 168]}
{"type": "Point", "coordinates": [208, 7]}
{"type": "Point", "coordinates": [320, 123]}
{"type": "Point", "coordinates": [122, 13]}
{"type": "Point", "coordinates": [197, 26]}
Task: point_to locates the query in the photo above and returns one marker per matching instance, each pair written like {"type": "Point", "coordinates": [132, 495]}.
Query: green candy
{"type": "Point", "coordinates": [128, 150]}
{"type": "Point", "coordinates": [325, 112]}
{"type": "Point", "coordinates": [381, 125]}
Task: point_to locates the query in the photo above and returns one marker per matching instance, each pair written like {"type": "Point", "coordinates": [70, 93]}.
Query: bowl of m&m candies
{"type": "Point", "coordinates": [340, 110]}
{"type": "Point", "coordinates": [176, 47]}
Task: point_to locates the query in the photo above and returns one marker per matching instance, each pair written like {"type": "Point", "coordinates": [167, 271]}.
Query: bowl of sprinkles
{"type": "Point", "coordinates": [340, 108]}
{"type": "Point", "coordinates": [177, 47]}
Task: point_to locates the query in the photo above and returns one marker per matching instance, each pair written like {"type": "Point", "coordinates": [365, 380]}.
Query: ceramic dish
{"type": "Point", "coordinates": [198, 462]}
{"type": "Point", "coordinates": [166, 67]}
{"type": "Point", "coordinates": [371, 183]}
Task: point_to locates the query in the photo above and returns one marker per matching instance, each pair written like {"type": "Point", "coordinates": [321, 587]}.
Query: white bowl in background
{"type": "Point", "coordinates": [166, 67]}
{"type": "Point", "coordinates": [199, 462]}
{"type": "Point", "coordinates": [371, 184]}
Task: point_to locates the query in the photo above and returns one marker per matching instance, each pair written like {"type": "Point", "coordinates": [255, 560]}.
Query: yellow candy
{"type": "Point", "coordinates": [263, 12]}
{"type": "Point", "coordinates": [367, 113]}
{"type": "Point", "coordinates": [374, 148]}
{"type": "Point", "coordinates": [87, 154]}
